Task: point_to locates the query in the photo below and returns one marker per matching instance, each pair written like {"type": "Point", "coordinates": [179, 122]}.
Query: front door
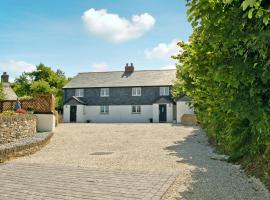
{"type": "Point", "coordinates": [73, 113]}
{"type": "Point", "coordinates": [163, 113]}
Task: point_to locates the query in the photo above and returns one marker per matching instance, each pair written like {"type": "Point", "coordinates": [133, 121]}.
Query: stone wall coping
{"type": "Point", "coordinates": [17, 117]}
{"type": "Point", "coordinates": [24, 146]}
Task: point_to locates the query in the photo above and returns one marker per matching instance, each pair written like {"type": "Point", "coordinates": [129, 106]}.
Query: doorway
{"type": "Point", "coordinates": [73, 113]}
{"type": "Point", "coordinates": [163, 113]}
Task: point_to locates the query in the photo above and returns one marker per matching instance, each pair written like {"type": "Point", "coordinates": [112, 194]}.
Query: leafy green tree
{"type": "Point", "coordinates": [22, 85]}
{"type": "Point", "coordinates": [40, 86]}
{"type": "Point", "coordinates": [41, 80]}
{"type": "Point", "coordinates": [225, 69]}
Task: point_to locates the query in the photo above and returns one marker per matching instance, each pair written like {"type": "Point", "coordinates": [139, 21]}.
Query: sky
{"type": "Point", "coordinates": [90, 35]}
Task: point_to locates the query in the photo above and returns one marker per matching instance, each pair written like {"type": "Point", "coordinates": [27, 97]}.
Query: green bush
{"type": "Point", "coordinates": [8, 113]}
{"type": "Point", "coordinates": [225, 69]}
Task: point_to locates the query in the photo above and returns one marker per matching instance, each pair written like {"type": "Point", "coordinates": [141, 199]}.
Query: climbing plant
{"type": "Point", "coordinates": [2, 96]}
{"type": "Point", "coordinates": [225, 69]}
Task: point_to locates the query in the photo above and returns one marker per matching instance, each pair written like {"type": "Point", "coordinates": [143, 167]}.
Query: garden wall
{"type": "Point", "coordinates": [16, 127]}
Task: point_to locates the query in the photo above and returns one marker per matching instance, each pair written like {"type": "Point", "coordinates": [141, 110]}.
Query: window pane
{"type": "Point", "coordinates": [133, 91]}
{"type": "Point", "coordinates": [136, 91]}
{"type": "Point", "coordinates": [104, 92]}
{"type": "Point", "coordinates": [138, 109]}
{"type": "Point", "coordinates": [139, 91]}
{"type": "Point", "coordinates": [133, 109]}
{"type": "Point", "coordinates": [164, 91]}
{"type": "Point", "coordinates": [101, 109]}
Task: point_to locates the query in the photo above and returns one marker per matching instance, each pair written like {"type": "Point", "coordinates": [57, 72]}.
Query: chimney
{"type": "Point", "coordinates": [4, 77]}
{"type": "Point", "coordinates": [129, 68]}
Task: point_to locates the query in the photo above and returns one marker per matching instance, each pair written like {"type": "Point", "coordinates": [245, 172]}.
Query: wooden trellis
{"type": "Point", "coordinates": [41, 103]}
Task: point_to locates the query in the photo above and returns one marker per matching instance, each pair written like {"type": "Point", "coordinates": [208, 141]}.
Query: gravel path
{"type": "Point", "coordinates": [155, 148]}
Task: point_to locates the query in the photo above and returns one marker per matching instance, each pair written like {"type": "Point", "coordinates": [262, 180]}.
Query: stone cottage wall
{"type": "Point", "coordinates": [16, 127]}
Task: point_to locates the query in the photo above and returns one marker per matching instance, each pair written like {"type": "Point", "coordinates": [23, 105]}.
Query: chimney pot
{"type": "Point", "coordinates": [4, 77]}
{"type": "Point", "coordinates": [129, 68]}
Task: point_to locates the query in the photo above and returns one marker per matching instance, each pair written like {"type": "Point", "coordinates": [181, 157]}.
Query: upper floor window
{"type": "Point", "coordinates": [104, 92]}
{"type": "Point", "coordinates": [164, 91]}
{"type": "Point", "coordinates": [136, 109]}
{"type": "Point", "coordinates": [136, 91]}
{"type": "Point", "coordinates": [104, 109]}
{"type": "Point", "coordinates": [79, 92]}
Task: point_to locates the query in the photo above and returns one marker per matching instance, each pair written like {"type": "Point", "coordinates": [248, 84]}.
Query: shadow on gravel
{"type": "Point", "coordinates": [212, 179]}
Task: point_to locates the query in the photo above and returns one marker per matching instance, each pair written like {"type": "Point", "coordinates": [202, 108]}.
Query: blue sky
{"type": "Point", "coordinates": [90, 35]}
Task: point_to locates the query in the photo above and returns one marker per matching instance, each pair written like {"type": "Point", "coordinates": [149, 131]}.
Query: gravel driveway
{"type": "Point", "coordinates": [158, 148]}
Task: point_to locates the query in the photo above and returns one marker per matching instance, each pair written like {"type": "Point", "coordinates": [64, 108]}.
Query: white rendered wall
{"type": "Point", "coordinates": [155, 113]}
{"type": "Point", "coordinates": [66, 113]}
{"type": "Point", "coordinates": [169, 112]}
{"type": "Point", "coordinates": [80, 114]}
{"type": "Point", "coordinates": [45, 122]}
{"type": "Point", "coordinates": [183, 108]}
{"type": "Point", "coordinates": [122, 113]}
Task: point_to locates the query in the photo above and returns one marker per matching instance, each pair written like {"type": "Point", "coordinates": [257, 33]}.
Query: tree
{"type": "Point", "coordinates": [40, 86]}
{"type": "Point", "coordinates": [43, 79]}
{"type": "Point", "coordinates": [225, 69]}
{"type": "Point", "coordinates": [22, 85]}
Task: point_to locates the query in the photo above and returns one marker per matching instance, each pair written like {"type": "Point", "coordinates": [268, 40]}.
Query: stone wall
{"type": "Point", "coordinates": [16, 127]}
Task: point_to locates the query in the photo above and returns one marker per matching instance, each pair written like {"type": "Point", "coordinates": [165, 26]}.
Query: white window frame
{"type": "Point", "coordinates": [79, 93]}
{"type": "Point", "coordinates": [137, 109]}
{"type": "Point", "coordinates": [136, 91]}
{"type": "Point", "coordinates": [104, 109]}
{"type": "Point", "coordinates": [104, 92]}
{"type": "Point", "coordinates": [164, 91]}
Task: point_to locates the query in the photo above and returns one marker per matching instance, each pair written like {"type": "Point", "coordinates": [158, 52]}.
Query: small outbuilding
{"type": "Point", "coordinates": [183, 108]}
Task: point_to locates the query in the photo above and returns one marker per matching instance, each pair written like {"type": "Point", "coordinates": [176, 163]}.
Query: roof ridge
{"type": "Point", "coordinates": [124, 71]}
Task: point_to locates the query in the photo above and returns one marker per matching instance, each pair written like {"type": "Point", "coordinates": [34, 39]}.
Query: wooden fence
{"type": "Point", "coordinates": [40, 103]}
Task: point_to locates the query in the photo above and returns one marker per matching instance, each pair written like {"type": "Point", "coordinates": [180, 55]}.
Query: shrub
{"type": "Point", "coordinates": [225, 69]}
{"type": "Point", "coordinates": [8, 113]}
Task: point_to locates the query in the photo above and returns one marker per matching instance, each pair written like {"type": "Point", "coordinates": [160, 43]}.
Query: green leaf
{"type": "Point", "coordinates": [250, 13]}
{"type": "Point", "coordinates": [248, 3]}
{"type": "Point", "coordinates": [266, 19]}
{"type": "Point", "coordinates": [227, 1]}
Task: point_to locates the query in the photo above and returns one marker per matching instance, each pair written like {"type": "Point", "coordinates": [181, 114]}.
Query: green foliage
{"type": "Point", "coordinates": [40, 86]}
{"type": "Point", "coordinates": [41, 80]}
{"type": "Point", "coordinates": [2, 96]}
{"type": "Point", "coordinates": [8, 113]}
{"type": "Point", "coordinates": [225, 69]}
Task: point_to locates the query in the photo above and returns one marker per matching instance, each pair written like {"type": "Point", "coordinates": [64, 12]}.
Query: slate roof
{"type": "Point", "coordinates": [123, 79]}
{"type": "Point", "coordinates": [184, 98]}
{"type": "Point", "coordinates": [8, 92]}
{"type": "Point", "coordinates": [75, 101]}
{"type": "Point", "coordinates": [164, 99]}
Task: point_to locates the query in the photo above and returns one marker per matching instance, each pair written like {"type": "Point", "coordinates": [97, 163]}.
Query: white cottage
{"type": "Point", "coordinates": [121, 96]}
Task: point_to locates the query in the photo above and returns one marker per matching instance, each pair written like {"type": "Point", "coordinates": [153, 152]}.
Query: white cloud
{"type": "Point", "coordinates": [99, 67]}
{"type": "Point", "coordinates": [163, 51]}
{"type": "Point", "coordinates": [169, 67]}
{"type": "Point", "coordinates": [115, 28]}
{"type": "Point", "coordinates": [15, 68]}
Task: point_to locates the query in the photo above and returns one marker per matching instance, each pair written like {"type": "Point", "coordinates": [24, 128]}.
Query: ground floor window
{"type": "Point", "coordinates": [104, 109]}
{"type": "Point", "coordinates": [136, 109]}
